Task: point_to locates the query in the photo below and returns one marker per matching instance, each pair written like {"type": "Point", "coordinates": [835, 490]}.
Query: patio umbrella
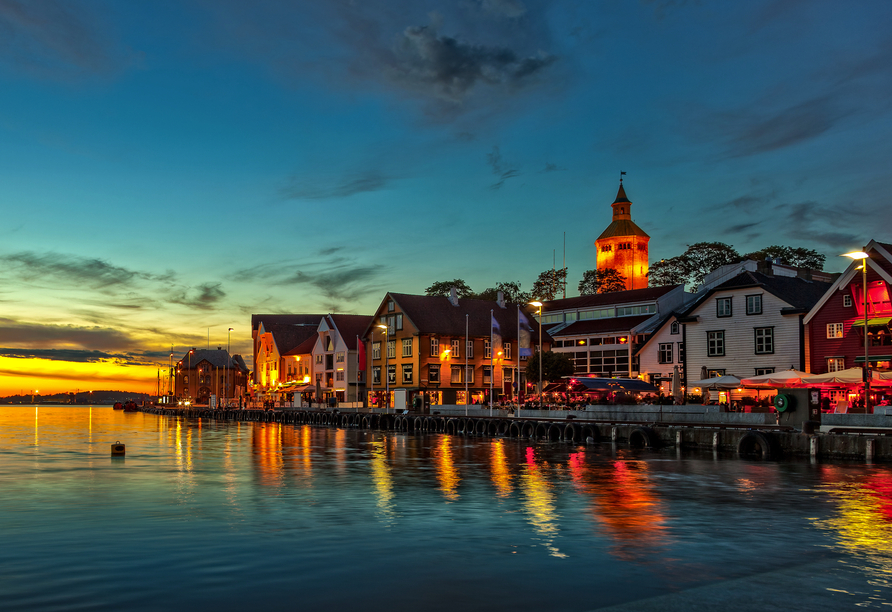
{"type": "Point", "coordinates": [787, 378]}
{"type": "Point", "coordinates": [722, 382]}
{"type": "Point", "coordinates": [676, 386]}
{"type": "Point", "coordinates": [851, 376]}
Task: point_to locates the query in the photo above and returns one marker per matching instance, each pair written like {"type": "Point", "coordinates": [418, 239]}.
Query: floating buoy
{"type": "Point", "coordinates": [117, 449]}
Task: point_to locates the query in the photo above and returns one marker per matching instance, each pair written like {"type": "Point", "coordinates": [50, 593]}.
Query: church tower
{"type": "Point", "coordinates": [623, 245]}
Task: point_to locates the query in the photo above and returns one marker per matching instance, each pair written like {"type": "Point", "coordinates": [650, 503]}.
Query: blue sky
{"type": "Point", "coordinates": [170, 167]}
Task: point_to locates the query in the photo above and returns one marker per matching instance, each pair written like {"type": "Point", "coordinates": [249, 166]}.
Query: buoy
{"type": "Point", "coordinates": [117, 449]}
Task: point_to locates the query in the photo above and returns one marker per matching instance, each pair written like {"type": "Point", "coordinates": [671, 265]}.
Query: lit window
{"type": "Point", "coordinates": [506, 350]}
{"type": "Point", "coordinates": [433, 373]}
{"type": "Point", "coordinates": [435, 347]}
{"type": "Point", "coordinates": [836, 364]}
{"type": "Point", "coordinates": [487, 349]}
{"type": "Point", "coordinates": [456, 352]}
{"type": "Point", "coordinates": [470, 354]}
{"type": "Point", "coordinates": [376, 350]}
{"type": "Point", "coordinates": [834, 330]}
{"type": "Point", "coordinates": [407, 347]}
{"type": "Point", "coordinates": [391, 349]}
{"type": "Point", "coordinates": [407, 373]}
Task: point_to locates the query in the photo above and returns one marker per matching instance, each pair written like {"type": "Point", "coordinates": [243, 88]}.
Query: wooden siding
{"type": "Point", "coordinates": [649, 356]}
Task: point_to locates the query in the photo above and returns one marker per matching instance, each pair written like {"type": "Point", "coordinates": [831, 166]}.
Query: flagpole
{"type": "Point", "coordinates": [467, 399]}
{"type": "Point", "coordinates": [356, 395]}
{"type": "Point", "coordinates": [517, 376]}
{"type": "Point", "coordinates": [492, 352]}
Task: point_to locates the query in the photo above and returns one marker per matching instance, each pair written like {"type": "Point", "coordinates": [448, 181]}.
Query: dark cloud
{"type": "Point", "coordinates": [40, 336]}
{"type": "Point", "coordinates": [549, 167]}
{"type": "Point", "coordinates": [808, 221]}
{"type": "Point", "coordinates": [499, 168]}
{"type": "Point", "coordinates": [448, 68]}
{"type": "Point", "coordinates": [505, 8]}
{"type": "Point", "coordinates": [57, 39]}
{"type": "Point", "coordinates": [741, 227]}
{"type": "Point", "coordinates": [465, 137]}
{"type": "Point", "coordinates": [205, 296]}
{"type": "Point", "coordinates": [75, 270]}
{"type": "Point", "coordinates": [73, 355]}
{"type": "Point", "coordinates": [342, 187]}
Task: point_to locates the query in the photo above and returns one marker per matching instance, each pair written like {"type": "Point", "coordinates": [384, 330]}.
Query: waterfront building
{"type": "Point", "coordinates": [436, 348]}
{"type": "Point", "coordinates": [623, 245]}
{"type": "Point", "coordinates": [835, 324]}
{"type": "Point", "coordinates": [751, 323]}
{"type": "Point", "coordinates": [602, 332]}
{"type": "Point", "coordinates": [201, 373]}
{"type": "Point", "coordinates": [273, 337]}
{"type": "Point", "coordinates": [297, 364]}
{"type": "Point", "coordinates": [337, 364]}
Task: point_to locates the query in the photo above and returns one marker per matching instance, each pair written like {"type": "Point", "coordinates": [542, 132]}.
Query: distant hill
{"type": "Point", "coordinates": [84, 397]}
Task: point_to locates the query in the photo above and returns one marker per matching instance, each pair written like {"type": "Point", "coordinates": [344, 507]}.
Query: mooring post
{"type": "Point", "coordinates": [870, 446]}
{"type": "Point", "coordinates": [678, 439]}
{"type": "Point", "coordinates": [614, 432]}
{"type": "Point", "coordinates": [813, 446]}
{"type": "Point", "coordinates": [715, 440]}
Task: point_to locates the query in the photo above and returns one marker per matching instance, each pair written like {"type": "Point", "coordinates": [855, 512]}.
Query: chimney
{"type": "Point", "coordinates": [453, 296]}
{"type": "Point", "coordinates": [501, 299]}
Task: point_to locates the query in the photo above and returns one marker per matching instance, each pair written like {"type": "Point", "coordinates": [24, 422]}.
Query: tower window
{"type": "Point", "coordinates": [622, 210]}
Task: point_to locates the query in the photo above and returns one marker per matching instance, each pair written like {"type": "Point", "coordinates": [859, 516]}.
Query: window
{"type": "Point", "coordinates": [627, 311]}
{"type": "Point", "coordinates": [339, 375]}
{"type": "Point", "coordinates": [391, 349]}
{"type": "Point", "coordinates": [435, 347]}
{"type": "Point", "coordinates": [376, 375]}
{"type": "Point", "coordinates": [433, 373]}
{"type": "Point", "coordinates": [665, 354]}
{"type": "Point", "coordinates": [456, 375]}
{"type": "Point", "coordinates": [399, 321]}
{"type": "Point", "coordinates": [673, 329]}
{"type": "Point", "coordinates": [761, 371]}
{"type": "Point", "coordinates": [390, 306]}
{"type": "Point", "coordinates": [487, 349]}
{"type": "Point", "coordinates": [339, 357]}
{"type": "Point", "coordinates": [723, 307]}
{"type": "Point", "coordinates": [715, 343]}
{"type": "Point", "coordinates": [407, 373]}
{"type": "Point", "coordinates": [508, 374]}
{"type": "Point", "coordinates": [681, 352]}
{"type": "Point", "coordinates": [506, 350]}
{"type": "Point", "coordinates": [470, 349]}
{"type": "Point", "coordinates": [391, 374]}
{"type": "Point", "coordinates": [319, 359]}
{"type": "Point", "coordinates": [603, 313]}
{"type": "Point", "coordinates": [764, 340]}
{"type": "Point", "coordinates": [456, 352]}
{"type": "Point", "coordinates": [836, 364]}
{"type": "Point", "coordinates": [715, 373]}
{"type": "Point", "coordinates": [376, 350]}
{"type": "Point", "coordinates": [834, 330]}
{"type": "Point", "coordinates": [487, 375]}
{"type": "Point", "coordinates": [753, 304]}
{"type": "Point", "coordinates": [391, 321]}
{"type": "Point", "coordinates": [407, 347]}
{"type": "Point", "coordinates": [847, 301]}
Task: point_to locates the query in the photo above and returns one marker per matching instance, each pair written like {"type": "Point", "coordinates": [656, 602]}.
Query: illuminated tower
{"type": "Point", "coordinates": [623, 245]}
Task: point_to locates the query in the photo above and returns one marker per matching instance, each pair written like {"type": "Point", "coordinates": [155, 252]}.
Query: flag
{"type": "Point", "coordinates": [495, 335]}
{"type": "Point", "coordinates": [360, 354]}
{"type": "Point", "coordinates": [523, 334]}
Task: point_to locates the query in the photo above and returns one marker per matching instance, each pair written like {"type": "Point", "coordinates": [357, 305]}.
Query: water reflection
{"type": "Point", "coordinates": [383, 480]}
{"type": "Point", "coordinates": [266, 440]}
{"type": "Point", "coordinates": [500, 474]}
{"type": "Point", "coordinates": [538, 503]}
{"type": "Point", "coordinates": [447, 475]}
{"type": "Point", "coordinates": [624, 503]}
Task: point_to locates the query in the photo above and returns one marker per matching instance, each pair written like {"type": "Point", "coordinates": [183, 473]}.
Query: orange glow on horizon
{"type": "Point", "coordinates": [50, 376]}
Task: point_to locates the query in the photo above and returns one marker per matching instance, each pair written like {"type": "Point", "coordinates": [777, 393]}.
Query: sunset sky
{"type": "Point", "coordinates": [172, 167]}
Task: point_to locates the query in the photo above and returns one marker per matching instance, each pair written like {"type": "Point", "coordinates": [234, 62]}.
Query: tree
{"type": "Point", "coordinates": [692, 266]}
{"type": "Point", "coordinates": [799, 257]}
{"type": "Point", "coordinates": [443, 288]}
{"type": "Point", "coordinates": [510, 290]}
{"type": "Point", "coordinates": [554, 366]}
{"type": "Point", "coordinates": [601, 281]}
{"type": "Point", "coordinates": [549, 285]}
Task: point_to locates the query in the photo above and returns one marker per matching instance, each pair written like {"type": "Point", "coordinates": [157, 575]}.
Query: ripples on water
{"type": "Point", "coordinates": [244, 516]}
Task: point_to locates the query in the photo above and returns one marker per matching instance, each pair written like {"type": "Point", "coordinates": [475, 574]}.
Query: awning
{"type": "Point", "coordinates": [615, 384]}
{"type": "Point", "coordinates": [875, 322]}
{"type": "Point", "coordinates": [874, 358]}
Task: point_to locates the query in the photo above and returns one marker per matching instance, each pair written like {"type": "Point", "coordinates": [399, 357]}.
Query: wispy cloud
{"type": "Point", "coordinates": [499, 168]}
{"type": "Point", "coordinates": [302, 188]}
{"type": "Point", "coordinates": [74, 355]}
{"type": "Point", "coordinates": [204, 296]}
{"type": "Point", "coordinates": [72, 269]}
{"type": "Point", "coordinates": [17, 333]}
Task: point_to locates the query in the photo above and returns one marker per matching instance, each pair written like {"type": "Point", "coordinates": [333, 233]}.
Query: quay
{"type": "Point", "coordinates": [752, 435]}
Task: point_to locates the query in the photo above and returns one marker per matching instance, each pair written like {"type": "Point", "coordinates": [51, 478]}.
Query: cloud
{"type": "Point", "coordinates": [73, 355]}
{"type": "Point", "coordinates": [75, 270]}
{"type": "Point", "coordinates": [56, 38]}
{"type": "Point", "coordinates": [494, 159]}
{"type": "Point", "coordinates": [449, 69]}
{"type": "Point", "coordinates": [40, 336]}
{"type": "Point", "coordinates": [506, 8]}
{"type": "Point", "coordinates": [549, 167]}
{"type": "Point", "coordinates": [340, 187]}
{"type": "Point", "coordinates": [204, 296]}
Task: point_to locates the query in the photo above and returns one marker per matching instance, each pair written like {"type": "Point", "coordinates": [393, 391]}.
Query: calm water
{"type": "Point", "coordinates": [242, 516]}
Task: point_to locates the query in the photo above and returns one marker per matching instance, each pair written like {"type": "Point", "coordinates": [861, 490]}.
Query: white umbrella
{"type": "Point", "coordinates": [722, 382]}
{"type": "Point", "coordinates": [787, 378]}
{"type": "Point", "coordinates": [851, 376]}
{"type": "Point", "coordinates": [676, 386]}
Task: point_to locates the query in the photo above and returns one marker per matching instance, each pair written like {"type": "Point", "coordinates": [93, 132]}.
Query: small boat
{"type": "Point", "coordinates": [130, 406]}
{"type": "Point", "coordinates": [118, 406]}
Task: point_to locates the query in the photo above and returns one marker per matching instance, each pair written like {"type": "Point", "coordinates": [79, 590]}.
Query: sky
{"type": "Point", "coordinates": [169, 168]}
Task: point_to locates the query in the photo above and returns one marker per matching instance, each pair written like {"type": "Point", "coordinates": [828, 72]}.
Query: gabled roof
{"type": "Point", "coordinates": [882, 265]}
{"type": "Point", "coordinates": [290, 319]}
{"type": "Point", "coordinates": [800, 294]}
{"type": "Point", "coordinates": [217, 358]}
{"type": "Point", "coordinates": [601, 326]}
{"type": "Point", "coordinates": [288, 336]}
{"type": "Point", "coordinates": [603, 300]}
{"type": "Point", "coordinates": [304, 348]}
{"type": "Point", "coordinates": [350, 326]}
{"type": "Point", "coordinates": [436, 315]}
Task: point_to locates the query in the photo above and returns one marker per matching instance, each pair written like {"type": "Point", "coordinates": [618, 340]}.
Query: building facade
{"type": "Point", "coordinates": [202, 373]}
{"type": "Point", "coordinates": [623, 245]}
{"type": "Point", "coordinates": [338, 370]}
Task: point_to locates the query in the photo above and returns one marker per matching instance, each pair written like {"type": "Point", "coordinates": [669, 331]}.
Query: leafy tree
{"type": "Point", "coordinates": [549, 285]}
{"type": "Point", "coordinates": [443, 289]}
{"type": "Point", "coordinates": [692, 266]}
{"type": "Point", "coordinates": [672, 271]}
{"type": "Point", "coordinates": [799, 257]}
{"type": "Point", "coordinates": [511, 291]}
{"type": "Point", "coordinates": [601, 281]}
{"type": "Point", "coordinates": [554, 366]}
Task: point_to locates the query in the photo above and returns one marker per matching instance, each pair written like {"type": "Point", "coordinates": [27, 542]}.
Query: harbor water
{"type": "Point", "coordinates": [200, 514]}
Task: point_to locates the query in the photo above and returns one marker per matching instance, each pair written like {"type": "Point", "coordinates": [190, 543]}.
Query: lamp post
{"type": "Point", "coordinates": [190, 372]}
{"type": "Point", "coordinates": [539, 306]}
{"type": "Point", "coordinates": [856, 255]}
{"type": "Point", "coordinates": [228, 363]}
{"type": "Point", "coordinates": [383, 329]}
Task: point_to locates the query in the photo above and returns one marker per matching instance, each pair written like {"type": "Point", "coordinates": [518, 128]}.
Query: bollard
{"type": "Point", "coordinates": [869, 449]}
{"type": "Point", "coordinates": [678, 438]}
{"type": "Point", "coordinates": [715, 440]}
{"type": "Point", "coordinates": [117, 450]}
{"type": "Point", "coordinates": [614, 433]}
{"type": "Point", "coordinates": [813, 446]}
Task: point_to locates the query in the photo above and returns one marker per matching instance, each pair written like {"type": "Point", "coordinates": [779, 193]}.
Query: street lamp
{"type": "Point", "coordinates": [383, 329]}
{"type": "Point", "coordinates": [856, 255]}
{"type": "Point", "coordinates": [539, 306]}
{"type": "Point", "coordinates": [228, 362]}
{"type": "Point", "coordinates": [189, 372]}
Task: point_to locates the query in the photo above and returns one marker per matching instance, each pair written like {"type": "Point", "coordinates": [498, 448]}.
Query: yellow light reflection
{"type": "Point", "coordinates": [266, 440]}
{"type": "Point", "coordinates": [447, 475]}
{"type": "Point", "coordinates": [539, 503]}
{"type": "Point", "coordinates": [501, 477]}
{"type": "Point", "coordinates": [383, 481]}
